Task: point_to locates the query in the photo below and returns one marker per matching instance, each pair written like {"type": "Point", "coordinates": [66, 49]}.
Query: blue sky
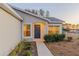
{"type": "Point", "coordinates": [64, 11]}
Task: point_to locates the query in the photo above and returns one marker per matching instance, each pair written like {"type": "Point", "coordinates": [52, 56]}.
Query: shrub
{"type": "Point", "coordinates": [13, 53]}
{"type": "Point", "coordinates": [23, 48]}
{"type": "Point", "coordinates": [27, 53]}
{"type": "Point", "coordinates": [54, 37]}
{"type": "Point", "coordinates": [48, 38]}
{"type": "Point", "coordinates": [69, 39]}
{"type": "Point", "coordinates": [18, 48]}
{"type": "Point", "coordinates": [61, 37]}
{"type": "Point", "coordinates": [27, 47]}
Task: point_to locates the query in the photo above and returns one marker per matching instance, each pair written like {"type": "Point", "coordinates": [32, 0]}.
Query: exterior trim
{"type": "Point", "coordinates": [10, 14]}
{"type": "Point", "coordinates": [30, 30]}
{"type": "Point", "coordinates": [29, 13]}
{"type": "Point", "coordinates": [60, 26]}
{"type": "Point", "coordinates": [26, 12]}
{"type": "Point", "coordinates": [8, 9]}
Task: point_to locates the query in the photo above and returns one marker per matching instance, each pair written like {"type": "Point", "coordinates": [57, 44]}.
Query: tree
{"type": "Point", "coordinates": [36, 12]}
{"type": "Point", "coordinates": [41, 12]}
{"type": "Point", "coordinates": [47, 13]}
{"type": "Point", "coordinates": [33, 11]}
{"type": "Point", "coordinates": [28, 10]}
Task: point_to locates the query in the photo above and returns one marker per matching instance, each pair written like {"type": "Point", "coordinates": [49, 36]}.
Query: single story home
{"type": "Point", "coordinates": [17, 24]}
{"type": "Point", "coordinates": [34, 27]}
{"type": "Point", "coordinates": [10, 29]}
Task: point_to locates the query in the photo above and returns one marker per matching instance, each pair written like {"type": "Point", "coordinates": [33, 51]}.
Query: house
{"type": "Point", "coordinates": [34, 27]}
{"type": "Point", "coordinates": [17, 24]}
{"type": "Point", "coordinates": [10, 29]}
{"type": "Point", "coordinates": [71, 27]}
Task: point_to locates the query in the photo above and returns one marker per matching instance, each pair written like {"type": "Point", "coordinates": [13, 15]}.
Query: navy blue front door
{"type": "Point", "coordinates": [37, 32]}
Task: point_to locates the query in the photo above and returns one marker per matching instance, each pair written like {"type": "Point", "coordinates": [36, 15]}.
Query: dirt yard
{"type": "Point", "coordinates": [64, 48]}
{"type": "Point", "coordinates": [31, 48]}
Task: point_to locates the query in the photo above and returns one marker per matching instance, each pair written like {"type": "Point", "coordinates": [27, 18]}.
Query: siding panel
{"type": "Point", "coordinates": [10, 32]}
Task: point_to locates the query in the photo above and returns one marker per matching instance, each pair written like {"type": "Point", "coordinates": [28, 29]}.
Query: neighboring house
{"type": "Point", "coordinates": [34, 27]}
{"type": "Point", "coordinates": [71, 27]}
{"type": "Point", "coordinates": [10, 29]}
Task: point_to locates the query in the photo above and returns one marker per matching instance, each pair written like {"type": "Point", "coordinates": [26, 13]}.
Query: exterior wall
{"type": "Point", "coordinates": [74, 35]}
{"type": "Point", "coordinates": [10, 32]}
{"type": "Point", "coordinates": [42, 30]}
{"type": "Point", "coordinates": [28, 19]}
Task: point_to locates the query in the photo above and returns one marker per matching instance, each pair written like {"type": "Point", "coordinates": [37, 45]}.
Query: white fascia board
{"type": "Point", "coordinates": [10, 10]}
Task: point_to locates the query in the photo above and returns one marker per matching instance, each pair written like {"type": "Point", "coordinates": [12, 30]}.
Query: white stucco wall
{"type": "Point", "coordinates": [10, 32]}
{"type": "Point", "coordinates": [28, 19]}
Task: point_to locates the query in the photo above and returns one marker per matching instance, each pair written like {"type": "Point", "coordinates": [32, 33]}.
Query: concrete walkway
{"type": "Point", "coordinates": [43, 50]}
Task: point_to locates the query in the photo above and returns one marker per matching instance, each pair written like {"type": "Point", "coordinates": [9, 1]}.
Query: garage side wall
{"type": "Point", "coordinates": [10, 32]}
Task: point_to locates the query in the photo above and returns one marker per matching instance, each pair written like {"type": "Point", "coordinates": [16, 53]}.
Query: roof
{"type": "Point", "coordinates": [29, 13]}
{"type": "Point", "coordinates": [50, 20]}
{"type": "Point", "coordinates": [54, 19]}
{"type": "Point", "coordinates": [10, 10]}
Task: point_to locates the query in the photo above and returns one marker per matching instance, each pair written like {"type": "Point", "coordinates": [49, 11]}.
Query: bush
{"type": "Point", "coordinates": [69, 39]}
{"type": "Point", "coordinates": [54, 37]}
{"type": "Point", "coordinates": [23, 48]}
{"type": "Point", "coordinates": [61, 37]}
{"type": "Point", "coordinates": [27, 47]}
{"type": "Point", "coordinates": [27, 53]}
{"type": "Point", "coordinates": [48, 38]}
{"type": "Point", "coordinates": [13, 53]}
{"type": "Point", "coordinates": [18, 48]}
{"type": "Point", "coordinates": [57, 37]}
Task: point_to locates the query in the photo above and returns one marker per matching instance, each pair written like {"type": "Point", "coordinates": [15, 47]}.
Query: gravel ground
{"type": "Point", "coordinates": [64, 48]}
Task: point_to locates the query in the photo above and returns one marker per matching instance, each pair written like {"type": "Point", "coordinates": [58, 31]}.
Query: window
{"type": "Point", "coordinates": [27, 30]}
{"type": "Point", "coordinates": [53, 29]}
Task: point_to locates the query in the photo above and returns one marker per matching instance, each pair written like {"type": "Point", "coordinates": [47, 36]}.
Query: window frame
{"type": "Point", "coordinates": [30, 30]}
{"type": "Point", "coordinates": [53, 26]}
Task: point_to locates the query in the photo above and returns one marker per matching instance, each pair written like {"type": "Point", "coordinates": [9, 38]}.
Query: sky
{"type": "Point", "coordinates": [69, 12]}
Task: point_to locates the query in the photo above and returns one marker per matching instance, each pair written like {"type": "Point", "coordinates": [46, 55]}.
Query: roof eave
{"type": "Point", "coordinates": [56, 22]}
{"type": "Point", "coordinates": [45, 19]}
{"type": "Point", "coordinates": [10, 10]}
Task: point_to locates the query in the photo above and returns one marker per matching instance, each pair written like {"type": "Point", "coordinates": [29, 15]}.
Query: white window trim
{"type": "Point", "coordinates": [60, 25]}
{"type": "Point", "coordinates": [30, 31]}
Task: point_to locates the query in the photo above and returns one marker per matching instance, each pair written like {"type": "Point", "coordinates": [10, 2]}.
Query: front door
{"type": "Point", "coordinates": [37, 32]}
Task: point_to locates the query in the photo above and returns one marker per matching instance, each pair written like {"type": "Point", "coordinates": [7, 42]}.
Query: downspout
{"type": "Point", "coordinates": [21, 30]}
{"type": "Point", "coordinates": [21, 39]}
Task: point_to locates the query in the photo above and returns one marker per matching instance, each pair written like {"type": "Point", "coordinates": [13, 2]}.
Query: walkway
{"type": "Point", "coordinates": [43, 50]}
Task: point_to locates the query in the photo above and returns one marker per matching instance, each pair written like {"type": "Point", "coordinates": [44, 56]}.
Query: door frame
{"type": "Point", "coordinates": [33, 31]}
{"type": "Point", "coordinates": [39, 31]}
